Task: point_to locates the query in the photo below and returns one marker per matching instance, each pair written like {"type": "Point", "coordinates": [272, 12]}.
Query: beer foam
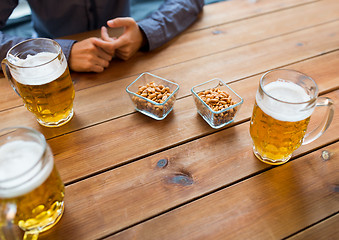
{"type": "Point", "coordinates": [20, 169]}
{"type": "Point", "coordinates": [287, 92]}
{"type": "Point", "coordinates": [41, 74]}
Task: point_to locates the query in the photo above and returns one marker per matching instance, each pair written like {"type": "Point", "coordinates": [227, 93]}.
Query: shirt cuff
{"type": "Point", "coordinates": [66, 46]}
{"type": "Point", "coordinates": [153, 32]}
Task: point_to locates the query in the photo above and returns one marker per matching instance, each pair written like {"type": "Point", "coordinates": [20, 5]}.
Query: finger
{"type": "Point", "coordinates": [112, 46]}
{"type": "Point", "coordinates": [86, 65]}
{"type": "Point", "coordinates": [107, 46]}
{"type": "Point", "coordinates": [120, 22]}
{"type": "Point", "coordinates": [96, 60]}
{"type": "Point", "coordinates": [101, 62]}
{"type": "Point", "coordinates": [104, 34]}
{"type": "Point", "coordinates": [104, 55]}
{"type": "Point", "coordinates": [97, 68]}
{"type": "Point", "coordinates": [122, 55]}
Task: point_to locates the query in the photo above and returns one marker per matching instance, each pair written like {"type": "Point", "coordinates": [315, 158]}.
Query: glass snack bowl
{"type": "Point", "coordinates": [221, 103]}
{"type": "Point", "coordinates": [152, 95]}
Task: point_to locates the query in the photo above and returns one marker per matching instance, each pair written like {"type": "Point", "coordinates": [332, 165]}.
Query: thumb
{"type": "Point", "coordinates": [121, 22]}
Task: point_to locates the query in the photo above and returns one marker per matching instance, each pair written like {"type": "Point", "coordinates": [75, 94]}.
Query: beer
{"type": "Point", "coordinates": [29, 179]}
{"type": "Point", "coordinates": [46, 89]}
{"type": "Point", "coordinates": [279, 122]}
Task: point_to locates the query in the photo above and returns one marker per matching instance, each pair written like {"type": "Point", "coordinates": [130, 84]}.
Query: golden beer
{"type": "Point", "coordinates": [275, 139]}
{"type": "Point", "coordinates": [30, 181]}
{"type": "Point", "coordinates": [42, 79]}
{"type": "Point", "coordinates": [36, 209]}
{"type": "Point", "coordinates": [51, 102]}
{"type": "Point", "coordinates": [279, 121]}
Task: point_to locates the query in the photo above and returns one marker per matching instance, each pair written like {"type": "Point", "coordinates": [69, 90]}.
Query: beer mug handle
{"type": "Point", "coordinates": [325, 123]}
{"type": "Point", "coordinates": [7, 214]}
{"type": "Point", "coordinates": [8, 74]}
{"type": "Point", "coordinates": [7, 229]}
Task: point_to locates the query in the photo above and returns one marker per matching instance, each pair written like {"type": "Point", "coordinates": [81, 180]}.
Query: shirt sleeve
{"type": "Point", "coordinates": [6, 42]}
{"type": "Point", "coordinates": [173, 17]}
{"type": "Point", "coordinates": [66, 46]}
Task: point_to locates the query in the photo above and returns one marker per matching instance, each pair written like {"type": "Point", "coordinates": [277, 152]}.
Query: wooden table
{"type": "Point", "coordinates": [211, 185]}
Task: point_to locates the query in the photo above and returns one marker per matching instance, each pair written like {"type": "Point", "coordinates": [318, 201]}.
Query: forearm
{"type": "Point", "coordinates": [173, 17]}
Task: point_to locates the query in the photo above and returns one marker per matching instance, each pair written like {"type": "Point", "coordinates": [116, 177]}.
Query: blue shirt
{"type": "Point", "coordinates": [54, 19]}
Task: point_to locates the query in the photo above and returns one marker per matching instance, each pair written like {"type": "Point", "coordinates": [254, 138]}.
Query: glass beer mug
{"type": "Point", "coordinates": [283, 106]}
{"type": "Point", "coordinates": [38, 72]}
{"type": "Point", "coordinates": [31, 191]}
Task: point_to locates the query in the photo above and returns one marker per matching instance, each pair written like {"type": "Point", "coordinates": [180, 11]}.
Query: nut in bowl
{"type": "Point", "coordinates": [216, 102]}
{"type": "Point", "coordinates": [152, 95]}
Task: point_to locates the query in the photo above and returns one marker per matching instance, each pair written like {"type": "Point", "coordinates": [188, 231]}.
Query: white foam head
{"type": "Point", "coordinates": [287, 108]}
{"type": "Point", "coordinates": [20, 168]}
{"type": "Point", "coordinates": [42, 73]}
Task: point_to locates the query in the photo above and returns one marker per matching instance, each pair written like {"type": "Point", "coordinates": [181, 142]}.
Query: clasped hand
{"type": "Point", "coordinates": [94, 54]}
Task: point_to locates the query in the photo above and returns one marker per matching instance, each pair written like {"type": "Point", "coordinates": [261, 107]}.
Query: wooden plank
{"type": "Point", "coordinates": [325, 230]}
{"type": "Point", "coordinates": [185, 47]}
{"type": "Point", "coordinates": [145, 188]}
{"type": "Point", "coordinates": [235, 10]}
{"type": "Point", "coordinates": [271, 205]}
{"type": "Point", "coordinates": [8, 98]}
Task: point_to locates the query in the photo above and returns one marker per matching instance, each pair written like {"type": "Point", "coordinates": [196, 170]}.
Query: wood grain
{"type": "Point", "coordinates": [271, 205]}
{"type": "Point", "coordinates": [145, 188]}
{"type": "Point", "coordinates": [235, 10]}
{"type": "Point", "coordinates": [325, 230]}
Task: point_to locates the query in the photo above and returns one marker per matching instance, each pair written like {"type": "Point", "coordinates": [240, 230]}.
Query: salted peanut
{"type": "Point", "coordinates": [152, 95]}
{"type": "Point", "coordinates": [157, 89]}
{"type": "Point", "coordinates": [142, 88]}
{"type": "Point", "coordinates": [156, 93]}
{"type": "Point", "coordinates": [217, 100]}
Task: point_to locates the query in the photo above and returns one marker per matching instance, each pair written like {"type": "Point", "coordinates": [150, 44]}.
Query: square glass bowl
{"type": "Point", "coordinates": [216, 117]}
{"type": "Point", "coordinates": [163, 93]}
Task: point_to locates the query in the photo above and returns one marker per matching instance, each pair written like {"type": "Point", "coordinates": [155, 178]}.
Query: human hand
{"type": "Point", "coordinates": [89, 56]}
{"type": "Point", "coordinates": [128, 43]}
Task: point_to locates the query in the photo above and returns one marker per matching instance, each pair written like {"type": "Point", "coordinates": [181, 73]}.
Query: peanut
{"type": "Point", "coordinates": [156, 93]}
{"type": "Point", "coordinates": [217, 100]}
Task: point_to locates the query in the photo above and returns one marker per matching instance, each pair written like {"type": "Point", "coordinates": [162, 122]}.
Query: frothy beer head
{"type": "Point", "coordinates": [289, 96]}
{"type": "Point", "coordinates": [39, 69]}
{"type": "Point", "coordinates": [21, 170]}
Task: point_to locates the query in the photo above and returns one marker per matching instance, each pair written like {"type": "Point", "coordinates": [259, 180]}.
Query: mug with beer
{"type": "Point", "coordinates": [31, 191]}
{"type": "Point", "coordinates": [283, 106]}
{"type": "Point", "coordinates": [38, 72]}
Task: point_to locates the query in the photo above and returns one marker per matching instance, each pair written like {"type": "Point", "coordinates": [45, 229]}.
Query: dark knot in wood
{"type": "Point", "coordinates": [181, 179]}
{"type": "Point", "coordinates": [217, 32]}
{"type": "Point", "coordinates": [162, 163]}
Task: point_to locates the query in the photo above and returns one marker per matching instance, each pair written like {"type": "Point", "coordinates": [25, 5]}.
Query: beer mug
{"type": "Point", "coordinates": [38, 72]}
{"type": "Point", "coordinates": [283, 106]}
{"type": "Point", "coordinates": [31, 191]}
